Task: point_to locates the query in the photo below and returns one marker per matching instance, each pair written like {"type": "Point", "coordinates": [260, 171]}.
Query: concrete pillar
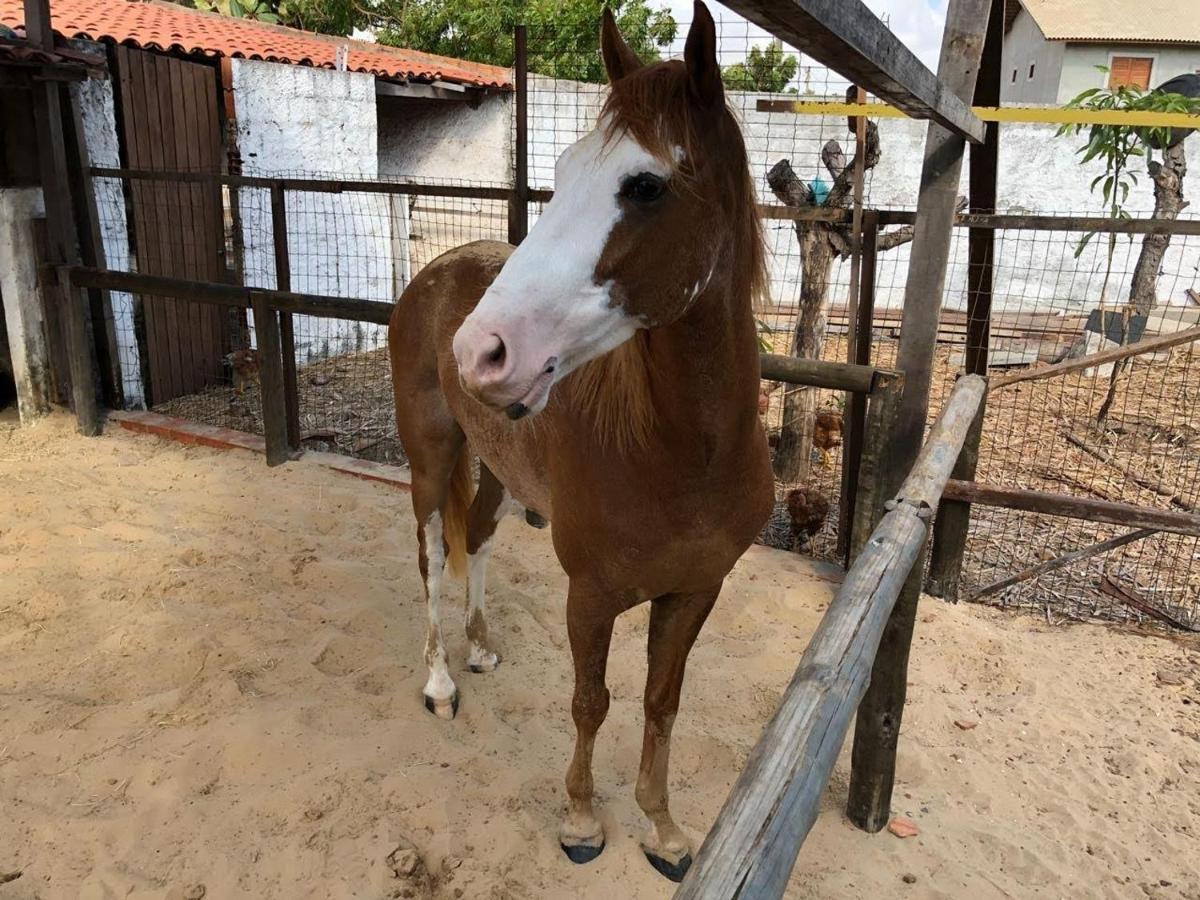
{"type": "Point", "coordinates": [22, 300]}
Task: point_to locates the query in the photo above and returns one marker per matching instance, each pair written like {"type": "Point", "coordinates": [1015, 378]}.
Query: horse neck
{"type": "Point", "coordinates": [706, 371]}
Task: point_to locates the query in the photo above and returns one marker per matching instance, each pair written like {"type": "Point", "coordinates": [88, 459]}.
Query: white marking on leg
{"type": "Point", "coordinates": [479, 656]}
{"type": "Point", "coordinates": [440, 686]}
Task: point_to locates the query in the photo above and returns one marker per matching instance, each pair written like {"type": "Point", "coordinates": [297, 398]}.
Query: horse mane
{"type": "Point", "coordinates": [616, 389]}
{"type": "Point", "coordinates": [652, 105]}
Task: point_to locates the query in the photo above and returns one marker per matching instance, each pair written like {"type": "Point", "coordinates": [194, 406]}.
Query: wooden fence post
{"type": "Point", "coordinates": [953, 519]}
{"type": "Point", "coordinates": [60, 216]}
{"type": "Point", "coordinates": [861, 335]}
{"type": "Point", "coordinates": [518, 202]}
{"type": "Point", "coordinates": [287, 337]}
{"type": "Point", "coordinates": [872, 488]}
{"type": "Point", "coordinates": [270, 371]}
{"type": "Point", "coordinates": [873, 762]}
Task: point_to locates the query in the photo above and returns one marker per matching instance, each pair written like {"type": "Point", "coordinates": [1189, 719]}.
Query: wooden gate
{"type": "Point", "coordinates": [170, 122]}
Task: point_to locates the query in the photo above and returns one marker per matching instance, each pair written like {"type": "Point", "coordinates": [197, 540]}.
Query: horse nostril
{"type": "Point", "coordinates": [496, 355]}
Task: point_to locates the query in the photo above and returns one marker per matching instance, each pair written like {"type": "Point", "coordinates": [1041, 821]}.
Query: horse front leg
{"type": "Point", "coordinates": [490, 505]}
{"type": "Point", "coordinates": [675, 621]}
{"type": "Point", "coordinates": [589, 628]}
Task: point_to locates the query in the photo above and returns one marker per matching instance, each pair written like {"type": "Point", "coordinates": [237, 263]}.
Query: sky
{"type": "Point", "coordinates": [918, 23]}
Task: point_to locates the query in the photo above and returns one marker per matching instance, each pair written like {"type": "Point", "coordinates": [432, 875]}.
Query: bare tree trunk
{"type": "Point", "coordinates": [1168, 203]}
{"type": "Point", "coordinates": [1143, 292]}
{"type": "Point", "coordinates": [793, 456]}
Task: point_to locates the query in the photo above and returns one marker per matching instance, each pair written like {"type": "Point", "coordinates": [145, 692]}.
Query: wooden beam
{"type": "Point", "coordinates": [752, 847]}
{"type": "Point", "coordinates": [846, 36]}
{"type": "Point", "coordinates": [1150, 345]}
{"type": "Point", "coordinates": [1085, 508]}
{"type": "Point", "coordinates": [347, 308]}
{"type": "Point", "coordinates": [518, 201]}
{"type": "Point", "coordinates": [836, 376]}
{"type": "Point", "coordinates": [953, 520]}
{"type": "Point", "coordinates": [873, 761]}
{"type": "Point", "coordinates": [287, 335]}
{"type": "Point", "coordinates": [414, 90]}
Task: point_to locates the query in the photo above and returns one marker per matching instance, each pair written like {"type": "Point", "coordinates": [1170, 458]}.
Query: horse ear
{"type": "Point", "coordinates": [700, 56]}
{"type": "Point", "coordinates": [619, 60]}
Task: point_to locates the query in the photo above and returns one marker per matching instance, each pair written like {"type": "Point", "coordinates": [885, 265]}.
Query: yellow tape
{"type": "Point", "coordinates": [1054, 115]}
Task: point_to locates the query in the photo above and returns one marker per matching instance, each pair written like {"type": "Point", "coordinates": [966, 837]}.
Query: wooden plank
{"type": "Point", "coordinates": [1085, 508]}
{"type": "Point", "coordinates": [873, 760]}
{"type": "Point", "coordinates": [846, 36]}
{"type": "Point", "coordinates": [175, 138]}
{"type": "Point", "coordinates": [1151, 345]}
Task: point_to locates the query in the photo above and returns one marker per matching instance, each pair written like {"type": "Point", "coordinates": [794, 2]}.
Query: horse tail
{"type": "Point", "coordinates": [454, 526]}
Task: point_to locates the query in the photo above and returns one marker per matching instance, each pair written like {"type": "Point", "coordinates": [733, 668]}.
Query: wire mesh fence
{"type": "Point", "coordinates": [368, 244]}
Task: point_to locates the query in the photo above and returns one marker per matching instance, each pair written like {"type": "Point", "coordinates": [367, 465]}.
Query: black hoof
{"type": "Point", "coordinates": [480, 670]}
{"type": "Point", "coordinates": [534, 519]}
{"type": "Point", "coordinates": [582, 853]}
{"type": "Point", "coordinates": [673, 871]}
{"type": "Point", "coordinates": [432, 707]}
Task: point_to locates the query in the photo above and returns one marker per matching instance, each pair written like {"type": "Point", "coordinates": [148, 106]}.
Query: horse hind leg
{"type": "Point", "coordinates": [487, 509]}
{"type": "Point", "coordinates": [675, 621]}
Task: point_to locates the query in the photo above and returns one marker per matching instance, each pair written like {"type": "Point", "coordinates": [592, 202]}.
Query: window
{"type": "Point", "coordinates": [1130, 71]}
{"type": "Point", "coordinates": [1031, 65]}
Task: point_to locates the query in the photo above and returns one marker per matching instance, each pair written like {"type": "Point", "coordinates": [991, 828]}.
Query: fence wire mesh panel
{"type": "Point", "coordinates": [364, 245]}
{"type": "Point", "coordinates": [1123, 433]}
{"type": "Point", "coordinates": [1049, 301]}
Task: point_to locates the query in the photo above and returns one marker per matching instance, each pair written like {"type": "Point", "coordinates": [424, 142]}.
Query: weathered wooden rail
{"type": "Point", "coordinates": [752, 847]}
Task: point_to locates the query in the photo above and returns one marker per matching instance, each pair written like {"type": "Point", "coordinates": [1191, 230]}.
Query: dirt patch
{"type": "Point", "coordinates": [212, 679]}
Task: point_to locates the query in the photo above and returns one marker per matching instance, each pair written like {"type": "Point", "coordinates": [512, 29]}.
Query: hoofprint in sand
{"type": "Point", "coordinates": [212, 676]}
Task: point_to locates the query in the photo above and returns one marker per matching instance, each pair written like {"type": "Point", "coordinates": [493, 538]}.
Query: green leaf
{"type": "Point", "coordinates": [1083, 242]}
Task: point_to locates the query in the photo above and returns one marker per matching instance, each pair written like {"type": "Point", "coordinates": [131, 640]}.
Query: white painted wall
{"type": "Point", "coordinates": [1039, 173]}
{"type": "Point", "coordinates": [306, 122]}
{"type": "Point", "coordinates": [95, 98]}
{"type": "Point", "coordinates": [1080, 60]}
{"type": "Point", "coordinates": [1025, 46]}
{"type": "Point", "coordinates": [441, 140]}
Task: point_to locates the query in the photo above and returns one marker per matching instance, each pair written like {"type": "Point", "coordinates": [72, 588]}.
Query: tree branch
{"type": "Point", "coordinates": [788, 187]}
{"type": "Point", "coordinates": [834, 158]}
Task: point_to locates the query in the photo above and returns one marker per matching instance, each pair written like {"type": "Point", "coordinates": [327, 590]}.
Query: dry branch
{"type": "Point", "coordinates": [1117, 592]}
{"type": "Point", "coordinates": [1060, 562]}
{"type": "Point", "coordinates": [1148, 483]}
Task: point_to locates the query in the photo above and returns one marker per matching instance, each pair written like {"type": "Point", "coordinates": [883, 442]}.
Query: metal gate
{"type": "Point", "coordinates": [170, 122]}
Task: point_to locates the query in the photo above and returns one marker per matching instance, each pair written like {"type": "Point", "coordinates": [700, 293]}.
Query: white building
{"type": "Point", "coordinates": [1053, 48]}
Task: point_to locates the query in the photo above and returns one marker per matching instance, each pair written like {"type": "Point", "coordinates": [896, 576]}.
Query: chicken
{"type": "Point", "coordinates": [827, 434]}
{"type": "Point", "coordinates": [245, 368]}
{"type": "Point", "coordinates": [796, 520]}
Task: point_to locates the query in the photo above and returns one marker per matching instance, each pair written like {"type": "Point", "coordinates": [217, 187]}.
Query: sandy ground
{"type": "Point", "coordinates": [210, 686]}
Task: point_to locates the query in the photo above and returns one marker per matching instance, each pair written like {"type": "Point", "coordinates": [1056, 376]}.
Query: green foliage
{"type": "Point", "coordinates": [260, 10]}
{"type": "Point", "coordinates": [765, 70]}
{"type": "Point", "coordinates": [1120, 146]}
{"type": "Point", "coordinates": [564, 35]}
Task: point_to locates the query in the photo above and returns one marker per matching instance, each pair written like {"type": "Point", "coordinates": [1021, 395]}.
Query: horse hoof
{"type": "Point", "coordinates": [673, 871]}
{"type": "Point", "coordinates": [441, 708]}
{"type": "Point", "coordinates": [480, 667]}
{"type": "Point", "coordinates": [582, 853]}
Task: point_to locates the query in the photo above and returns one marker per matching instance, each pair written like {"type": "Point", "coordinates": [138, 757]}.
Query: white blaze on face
{"type": "Point", "coordinates": [545, 305]}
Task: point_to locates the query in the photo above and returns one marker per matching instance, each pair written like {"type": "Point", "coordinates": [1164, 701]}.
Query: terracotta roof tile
{"type": "Point", "coordinates": [155, 25]}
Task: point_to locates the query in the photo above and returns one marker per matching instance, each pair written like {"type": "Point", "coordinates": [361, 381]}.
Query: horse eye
{"type": "Point", "coordinates": [643, 188]}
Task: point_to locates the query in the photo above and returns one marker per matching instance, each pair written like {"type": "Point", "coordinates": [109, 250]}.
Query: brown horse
{"type": "Point", "coordinates": [619, 339]}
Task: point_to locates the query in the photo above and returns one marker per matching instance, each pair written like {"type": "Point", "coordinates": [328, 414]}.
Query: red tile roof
{"type": "Point", "coordinates": [155, 25]}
